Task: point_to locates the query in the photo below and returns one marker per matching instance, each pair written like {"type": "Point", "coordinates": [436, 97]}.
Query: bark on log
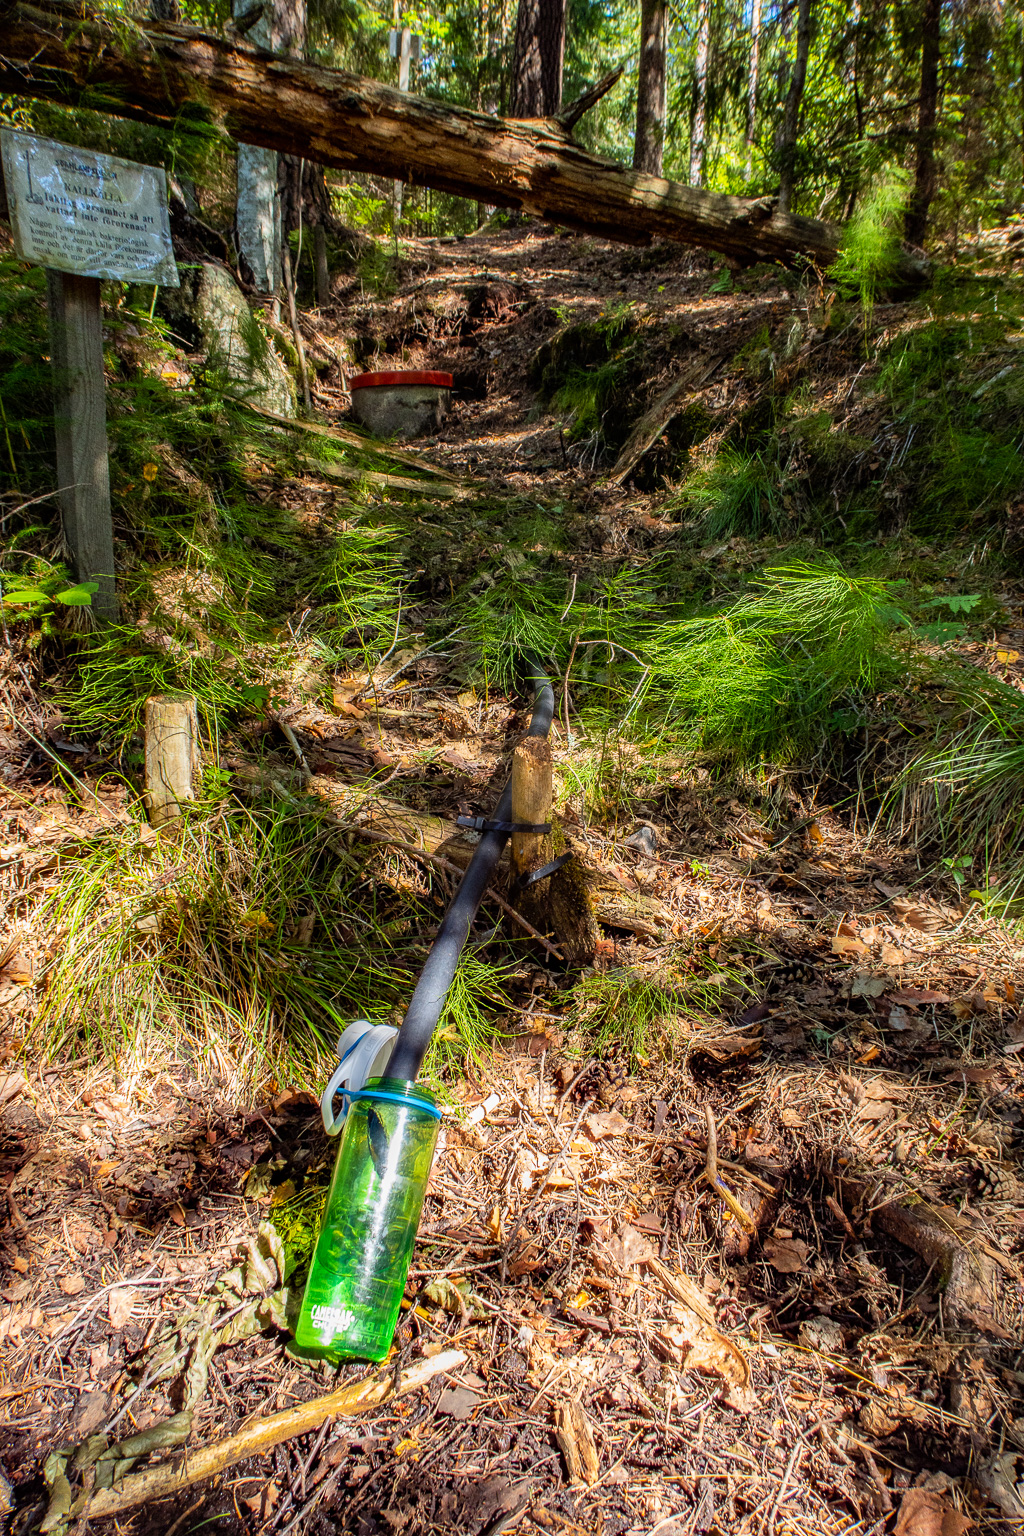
{"type": "Point", "coordinates": [59, 52]}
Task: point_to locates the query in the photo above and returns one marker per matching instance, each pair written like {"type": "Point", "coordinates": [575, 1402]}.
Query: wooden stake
{"type": "Point", "coordinates": [80, 417]}
{"type": "Point", "coordinates": [172, 756]}
{"type": "Point", "coordinates": [560, 903]}
{"type": "Point", "coordinates": [532, 798]}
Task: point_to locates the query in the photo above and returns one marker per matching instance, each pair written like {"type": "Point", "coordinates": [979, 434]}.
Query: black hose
{"type": "Point", "coordinates": [439, 971]}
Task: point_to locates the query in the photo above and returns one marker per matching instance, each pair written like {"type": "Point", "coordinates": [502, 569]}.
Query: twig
{"type": "Point", "coordinates": [711, 1165]}
{"type": "Point", "coordinates": [293, 742]}
{"type": "Point", "coordinates": [715, 1180]}
{"type": "Point", "coordinates": [286, 265]}
{"type": "Point", "coordinates": [454, 869]}
{"type": "Point", "coordinates": [168, 1478]}
{"type": "Point", "coordinates": [794, 1457]}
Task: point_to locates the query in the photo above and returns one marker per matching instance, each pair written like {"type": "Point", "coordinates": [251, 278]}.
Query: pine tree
{"type": "Point", "coordinates": [649, 144]}
{"type": "Point", "coordinates": [537, 60]}
{"type": "Point", "coordinates": [698, 134]}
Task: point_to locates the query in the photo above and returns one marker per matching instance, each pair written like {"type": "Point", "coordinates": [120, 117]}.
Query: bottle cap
{"type": "Point", "coordinates": [365, 1050]}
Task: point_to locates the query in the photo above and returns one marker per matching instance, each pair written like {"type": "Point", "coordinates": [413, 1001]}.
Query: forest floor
{"type": "Point", "coordinates": [839, 1340]}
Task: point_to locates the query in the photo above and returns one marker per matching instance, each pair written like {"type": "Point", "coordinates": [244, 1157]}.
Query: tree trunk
{"type": "Point", "coordinates": [752, 83]}
{"type": "Point", "coordinates": [281, 29]}
{"type": "Point", "coordinates": [343, 120]}
{"type": "Point", "coordinates": [649, 144]}
{"type": "Point", "coordinates": [698, 134]}
{"type": "Point", "coordinates": [321, 269]}
{"type": "Point", "coordinates": [916, 224]}
{"type": "Point", "coordinates": [791, 115]}
{"type": "Point", "coordinates": [978, 85]}
{"type": "Point", "coordinates": [537, 59]}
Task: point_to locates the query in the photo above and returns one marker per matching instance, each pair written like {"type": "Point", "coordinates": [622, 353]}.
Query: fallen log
{"type": "Point", "coordinates": [58, 51]}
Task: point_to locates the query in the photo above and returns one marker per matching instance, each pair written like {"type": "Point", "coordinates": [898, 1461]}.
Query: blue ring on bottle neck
{"type": "Point", "coordinates": [389, 1098]}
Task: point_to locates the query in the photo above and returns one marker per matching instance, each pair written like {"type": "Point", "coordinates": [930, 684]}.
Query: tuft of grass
{"type": "Point", "coordinates": [967, 793]}
{"type": "Point", "coordinates": [734, 493]}
{"type": "Point", "coordinates": [643, 1014]}
{"type": "Point", "coordinates": [466, 1032]}
{"type": "Point", "coordinates": [222, 936]}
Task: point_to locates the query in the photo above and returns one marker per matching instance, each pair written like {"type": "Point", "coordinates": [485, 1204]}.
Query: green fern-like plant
{"type": "Point", "coordinates": [870, 250]}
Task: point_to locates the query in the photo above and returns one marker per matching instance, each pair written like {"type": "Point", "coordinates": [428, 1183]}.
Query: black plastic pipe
{"type": "Point", "coordinates": [438, 973]}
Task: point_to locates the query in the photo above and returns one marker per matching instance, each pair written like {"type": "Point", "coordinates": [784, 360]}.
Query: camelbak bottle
{"type": "Point", "coordinates": [362, 1255]}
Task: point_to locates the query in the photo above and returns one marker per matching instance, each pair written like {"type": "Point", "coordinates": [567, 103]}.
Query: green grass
{"type": "Point", "coordinates": [240, 931]}
{"type": "Point", "coordinates": [734, 493]}
{"type": "Point", "coordinates": [466, 1032]}
{"type": "Point", "coordinates": [643, 1014]}
{"type": "Point", "coordinates": [966, 792]}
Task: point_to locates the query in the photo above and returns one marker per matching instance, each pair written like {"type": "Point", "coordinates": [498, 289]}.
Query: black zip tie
{"type": "Point", "coordinates": [544, 872]}
{"type": "Point", "coordinates": [482, 824]}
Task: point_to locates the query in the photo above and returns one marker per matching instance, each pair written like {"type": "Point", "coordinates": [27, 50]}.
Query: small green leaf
{"type": "Point", "coordinates": [79, 596]}
{"type": "Point", "coordinates": [26, 595]}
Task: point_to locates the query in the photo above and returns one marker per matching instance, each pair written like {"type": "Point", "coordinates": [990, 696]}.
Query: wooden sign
{"type": "Point", "coordinates": [85, 216]}
{"type": "Point", "coordinates": [74, 210]}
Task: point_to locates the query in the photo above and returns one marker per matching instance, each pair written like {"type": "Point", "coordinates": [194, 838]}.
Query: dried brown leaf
{"type": "Point", "coordinates": [119, 1306]}
{"type": "Point", "coordinates": [787, 1255]}
{"type": "Point", "coordinates": [696, 1345]}
{"type": "Point", "coordinates": [926, 1512]}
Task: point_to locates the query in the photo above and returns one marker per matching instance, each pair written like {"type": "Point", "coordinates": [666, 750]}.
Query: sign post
{"type": "Point", "coordinates": [85, 216]}
{"type": "Point", "coordinates": [403, 45]}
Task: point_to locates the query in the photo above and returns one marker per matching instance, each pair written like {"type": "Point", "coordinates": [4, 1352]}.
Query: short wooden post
{"type": "Point", "coordinates": [532, 798]}
{"type": "Point", "coordinates": [173, 763]}
{"type": "Point", "coordinates": [80, 417]}
{"type": "Point", "coordinates": [559, 903]}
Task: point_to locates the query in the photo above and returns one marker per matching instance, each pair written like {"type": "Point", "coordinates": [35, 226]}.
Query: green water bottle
{"type": "Point", "coordinates": [362, 1255]}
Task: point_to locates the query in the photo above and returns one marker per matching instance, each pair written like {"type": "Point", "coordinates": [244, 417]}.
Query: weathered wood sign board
{"type": "Point", "coordinates": [95, 215]}
{"type": "Point", "coordinates": [85, 216]}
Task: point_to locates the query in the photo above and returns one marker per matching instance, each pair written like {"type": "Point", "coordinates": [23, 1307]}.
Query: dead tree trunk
{"type": "Point", "coordinates": [343, 120]}
{"type": "Point", "coordinates": [649, 144]}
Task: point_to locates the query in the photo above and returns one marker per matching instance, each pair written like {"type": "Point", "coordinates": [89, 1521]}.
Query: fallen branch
{"type": "Point", "coordinates": [340, 435]}
{"type": "Point", "coordinates": [166, 1479]}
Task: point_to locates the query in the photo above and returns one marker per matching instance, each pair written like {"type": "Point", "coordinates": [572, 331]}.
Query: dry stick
{"type": "Point", "coordinates": [286, 266]}
{"type": "Point", "coordinates": [293, 742]}
{"type": "Point", "coordinates": [454, 869]}
{"type": "Point", "coordinates": [794, 1457]}
{"type": "Point", "coordinates": [167, 1478]}
{"type": "Point", "coordinates": [714, 1178]}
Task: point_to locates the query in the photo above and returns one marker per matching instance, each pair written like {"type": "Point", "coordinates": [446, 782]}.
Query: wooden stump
{"type": "Point", "coordinates": [559, 904]}
{"type": "Point", "coordinates": [173, 763]}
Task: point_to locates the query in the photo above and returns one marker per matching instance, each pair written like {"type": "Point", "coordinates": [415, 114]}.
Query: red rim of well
{"type": "Point", "coordinates": [373, 380]}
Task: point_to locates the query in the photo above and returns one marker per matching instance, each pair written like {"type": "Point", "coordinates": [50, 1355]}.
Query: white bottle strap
{"type": "Point", "coordinates": [365, 1050]}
